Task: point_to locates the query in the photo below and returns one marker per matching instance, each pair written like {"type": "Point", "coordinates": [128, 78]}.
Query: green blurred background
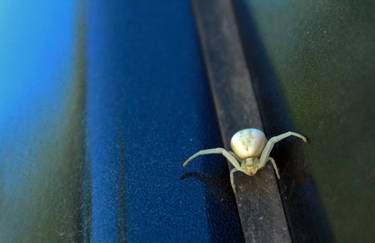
{"type": "Point", "coordinates": [320, 56]}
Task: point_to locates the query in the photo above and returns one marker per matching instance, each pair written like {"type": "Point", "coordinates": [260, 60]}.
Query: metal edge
{"type": "Point", "coordinates": [258, 198]}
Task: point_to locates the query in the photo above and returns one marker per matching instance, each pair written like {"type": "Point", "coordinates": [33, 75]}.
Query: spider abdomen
{"type": "Point", "coordinates": [248, 143]}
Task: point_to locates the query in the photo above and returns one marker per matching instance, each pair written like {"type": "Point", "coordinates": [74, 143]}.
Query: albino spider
{"type": "Point", "coordinates": [251, 151]}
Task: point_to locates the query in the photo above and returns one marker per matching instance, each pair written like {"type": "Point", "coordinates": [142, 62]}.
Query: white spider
{"type": "Point", "coordinates": [251, 151]}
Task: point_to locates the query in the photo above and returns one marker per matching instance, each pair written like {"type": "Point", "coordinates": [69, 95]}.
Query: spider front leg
{"type": "Point", "coordinates": [222, 151]}
{"type": "Point", "coordinates": [274, 167]}
{"type": "Point", "coordinates": [269, 146]}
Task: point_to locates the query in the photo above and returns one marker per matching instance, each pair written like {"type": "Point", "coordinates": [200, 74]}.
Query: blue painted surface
{"type": "Point", "coordinates": [99, 107]}
{"type": "Point", "coordinates": [148, 109]}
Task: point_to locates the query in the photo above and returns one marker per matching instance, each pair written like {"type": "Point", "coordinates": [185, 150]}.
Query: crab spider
{"type": "Point", "coordinates": [251, 151]}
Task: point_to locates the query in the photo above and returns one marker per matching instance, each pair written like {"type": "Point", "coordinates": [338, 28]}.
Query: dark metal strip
{"type": "Point", "coordinates": [258, 198]}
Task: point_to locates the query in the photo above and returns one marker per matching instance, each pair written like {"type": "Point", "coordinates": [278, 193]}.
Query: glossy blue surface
{"type": "Point", "coordinates": [100, 103]}
{"type": "Point", "coordinates": [149, 108]}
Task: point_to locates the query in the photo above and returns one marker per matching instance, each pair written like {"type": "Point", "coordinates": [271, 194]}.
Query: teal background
{"type": "Point", "coordinates": [42, 96]}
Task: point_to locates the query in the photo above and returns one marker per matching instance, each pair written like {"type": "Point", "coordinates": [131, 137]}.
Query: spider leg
{"type": "Point", "coordinates": [269, 146]}
{"type": "Point", "coordinates": [222, 151]}
{"type": "Point", "coordinates": [274, 167]}
{"type": "Point", "coordinates": [234, 170]}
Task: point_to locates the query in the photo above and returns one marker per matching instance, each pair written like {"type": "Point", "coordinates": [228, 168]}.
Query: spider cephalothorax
{"type": "Point", "coordinates": [251, 151]}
